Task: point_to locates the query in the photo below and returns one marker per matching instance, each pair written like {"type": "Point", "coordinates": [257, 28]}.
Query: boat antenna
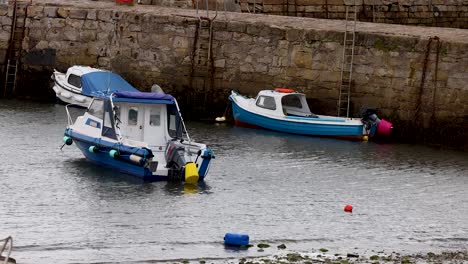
{"type": "Point", "coordinates": [185, 129]}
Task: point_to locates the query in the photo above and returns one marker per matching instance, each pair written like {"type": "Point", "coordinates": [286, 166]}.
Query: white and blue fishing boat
{"type": "Point", "coordinates": [68, 86]}
{"type": "Point", "coordinates": [284, 110]}
{"type": "Point", "coordinates": [138, 133]}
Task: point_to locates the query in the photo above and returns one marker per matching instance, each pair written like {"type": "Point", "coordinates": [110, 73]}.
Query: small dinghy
{"type": "Point", "coordinates": [138, 133]}
{"type": "Point", "coordinates": [284, 110]}
{"type": "Point", "coordinates": [69, 88]}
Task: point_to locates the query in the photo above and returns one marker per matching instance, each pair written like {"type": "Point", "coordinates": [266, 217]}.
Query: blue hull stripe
{"type": "Point", "coordinates": [293, 127]}
{"type": "Point", "coordinates": [107, 144]}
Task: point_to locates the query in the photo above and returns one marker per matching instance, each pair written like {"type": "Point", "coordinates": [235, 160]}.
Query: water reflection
{"type": "Point", "coordinates": [180, 188]}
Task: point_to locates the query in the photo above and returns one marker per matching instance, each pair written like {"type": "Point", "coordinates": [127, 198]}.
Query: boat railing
{"type": "Point", "coordinates": [7, 245]}
{"type": "Point", "coordinates": [69, 117]}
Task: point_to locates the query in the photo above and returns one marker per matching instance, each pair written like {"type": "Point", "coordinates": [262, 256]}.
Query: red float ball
{"type": "Point", "coordinates": [348, 208]}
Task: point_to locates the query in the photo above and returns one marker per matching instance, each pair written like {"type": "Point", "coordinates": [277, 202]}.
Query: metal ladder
{"type": "Point", "coordinates": [201, 77]}
{"type": "Point", "coordinates": [14, 48]}
{"type": "Point", "coordinates": [347, 61]}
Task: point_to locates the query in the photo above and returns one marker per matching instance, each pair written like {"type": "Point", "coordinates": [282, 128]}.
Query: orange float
{"type": "Point", "coordinates": [284, 90]}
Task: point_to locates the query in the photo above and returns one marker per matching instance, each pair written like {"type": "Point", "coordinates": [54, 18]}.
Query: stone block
{"type": "Point", "coordinates": [62, 12]}
{"type": "Point", "coordinates": [78, 13]}
{"type": "Point", "coordinates": [87, 35]}
{"type": "Point", "coordinates": [50, 11]}
{"type": "Point", "coordinates": [103, 62]}
{"type": "Point", "coordinates": [222, 36]}
{"type": "Point", "coordinates": [309, 2]}
{"type": "Point", "coordinates": [104, 15]}
{"type": "Point", "coordinates": [3, 10]}
{"type": "Point", "coordinates": [92, 14]}
{"type": "Point", "coordinates": [71, 34]}
{"type": "Point", "coordinates": [294, 34]}
{"type": "Point", "coordinates": [310, 9]}
{"type": "Point", "coordinates": [76, 24]}
{"type": "Point", "coordinates": [235, 26]}
{"type": "Point", "coordinates": [275, 2]}
{"type": "Point", "coordinates": [337, 9]}
{"type": "Point", "coordinates": [5, 20]}
{"type": "Point", "coordinates": [35, 11]}
{"type": "Point", "coordinates": [90, 24]}
{"type": "Point", "coordinates": [353, 2]}
{"type": "Point", "coordinates": [335, 2]}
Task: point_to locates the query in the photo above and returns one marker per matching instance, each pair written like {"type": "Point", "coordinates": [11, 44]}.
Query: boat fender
{"type": "Point", "coordinates": [284, 90]}
{"type": "Point", "coordinates": [67, 140]}
{"type": "Point", "coordinates": [149, 153]}
{"type": "Point", "coordinates": [114, 154]}
{"type": "Point", "coordinates": [234, 239]}
{"type": "Point", "coordinates": [208, 154]}
{"type": "Point", "coordinates": [137, 159]}
{"type": "Point", "coordinates": [93, 149]}
{"type": "Point", "coordinates": [191, 173]}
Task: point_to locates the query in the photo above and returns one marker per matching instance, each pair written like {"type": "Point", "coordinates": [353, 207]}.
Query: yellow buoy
{"type": "Point", "coordinates": [191, 173]}
{"type": "Point", "coordinates": [365, 138]}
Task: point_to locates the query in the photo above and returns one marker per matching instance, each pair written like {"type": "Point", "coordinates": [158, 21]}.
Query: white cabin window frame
{"type": "Point", "coordinates": [132, 120]}
{"type": "Point", "coordinates": [267, 102]}
{"type": "Point", "coordinates": [74, 80]}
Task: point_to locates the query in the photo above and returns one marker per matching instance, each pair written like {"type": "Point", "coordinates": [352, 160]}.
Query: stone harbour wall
{"type": "Point", "coordinates": [440, 13]}
{"type": "Point", "coordinates": [412, 74]}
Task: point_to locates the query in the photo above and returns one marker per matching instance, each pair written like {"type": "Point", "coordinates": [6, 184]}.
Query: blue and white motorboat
{"type": "Point", "coordinates": [138, 133]}
{"type": "Point", "coordinates": [284, 110]}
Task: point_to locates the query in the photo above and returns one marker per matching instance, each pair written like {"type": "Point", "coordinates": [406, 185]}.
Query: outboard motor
{"type": "Point", "coordinates": [179, 169]}
{"type": "Point", "coordinates": [374, 124]}
{"type": "Point", "coordinates": [175, 161]}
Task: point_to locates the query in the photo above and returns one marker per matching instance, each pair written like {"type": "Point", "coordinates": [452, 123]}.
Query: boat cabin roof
{"type": "Point", "coordinates": [80, 70]}
{"type": "Point", "coordinates": [283, 101]}
{"type": "Point", "coordinates": [103, 83]}
{"type": "Point", "coordinates": [143, 97]}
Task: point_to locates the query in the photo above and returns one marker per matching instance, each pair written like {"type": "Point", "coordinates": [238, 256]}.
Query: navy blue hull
{"type": "Point", "coordinates": [122, 163]}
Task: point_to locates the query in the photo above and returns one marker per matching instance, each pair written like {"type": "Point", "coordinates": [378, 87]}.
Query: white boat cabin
{"type": "Point", "coordinates": [72, 78]}
{"type": "Point", "coordinates": [139, 124]}
{"type": "Point", "coordinates": [276, 103]}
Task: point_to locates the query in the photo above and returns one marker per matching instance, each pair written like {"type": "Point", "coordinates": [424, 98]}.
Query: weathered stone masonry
{"type": "Point", "coordinates": [440, 13]}
{"type": "Point", "coordinates": [149, 44]}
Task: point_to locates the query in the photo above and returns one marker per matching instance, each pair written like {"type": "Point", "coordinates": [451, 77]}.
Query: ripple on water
{"type": "Point", "coordinates": [275, 187]}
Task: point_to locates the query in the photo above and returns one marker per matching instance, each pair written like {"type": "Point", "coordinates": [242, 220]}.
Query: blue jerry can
{"type": "Point", "coordinates": [236, 239]}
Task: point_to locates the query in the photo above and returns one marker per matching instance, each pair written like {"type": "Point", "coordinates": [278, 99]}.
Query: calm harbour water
{"type": "Point", "coordinates": [277, 188]}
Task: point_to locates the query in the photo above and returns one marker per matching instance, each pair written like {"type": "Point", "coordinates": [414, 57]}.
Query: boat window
{"type": "Point", "coordinates": [292, 101]}
{"type": "Point", "coordinates": [174, 122]}
{"type": "Point", "coordinates": [267, 102]}
{"type": "Point", "coordinates": [74, 80]}
{"type": "Point", "coordinates": [133, 117]}
{"type": "Point", "coordinates": [95, 108]}
{"type": "Point", "coordinates": [155, 117]}
{"type": "Point", "coordinates": [108, 130]}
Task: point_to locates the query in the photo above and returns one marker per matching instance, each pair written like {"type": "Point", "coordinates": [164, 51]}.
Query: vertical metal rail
{"type": "Point", "coordinates": [347, 63]}
{"type": "Point", "coordinates": [202, 62]}
{"type": "Point", "coordinates": [10, 50]}
{"type": "Point", "coordinates": [13, 56]}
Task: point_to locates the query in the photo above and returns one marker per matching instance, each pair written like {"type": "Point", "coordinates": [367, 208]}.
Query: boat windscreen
{"type": "Point", "coordinates": [175, 127]}
{"type": "Point", "coordinates": [108, 129]}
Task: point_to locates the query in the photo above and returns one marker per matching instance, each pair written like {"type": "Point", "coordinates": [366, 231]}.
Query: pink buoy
{"type": "Point", "coordinates": [348, 208]}
{"type": "Point", "coordinates": [384, 128]}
